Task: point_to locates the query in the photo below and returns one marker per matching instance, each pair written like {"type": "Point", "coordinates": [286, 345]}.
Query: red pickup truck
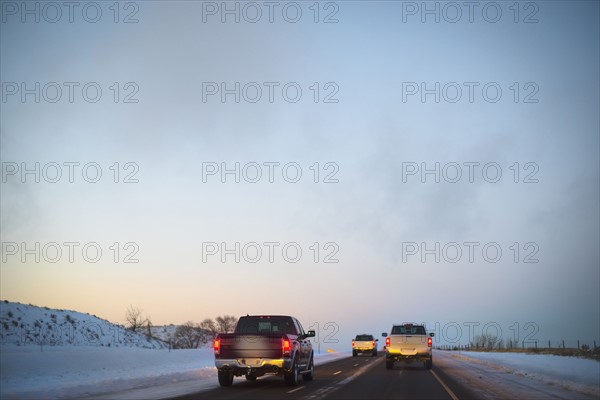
{"type": "Point", "coordinates": [265, 344]}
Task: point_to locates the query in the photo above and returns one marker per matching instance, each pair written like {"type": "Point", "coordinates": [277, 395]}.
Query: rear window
{"type": "Point", "coordinates": [364, 338]}
{"type": "Point", "coordinates": [408, 330]}
{"type": "Point", "coordinates": [265, 326]}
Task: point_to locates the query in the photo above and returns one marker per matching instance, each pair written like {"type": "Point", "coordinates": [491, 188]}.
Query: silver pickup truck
{"type": "Point", "coordinates": [408, 342]}
{"type": "Point", "coordinates": [265, 344]}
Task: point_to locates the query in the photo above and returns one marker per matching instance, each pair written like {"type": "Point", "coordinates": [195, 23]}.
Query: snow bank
{"type": "Point", "coordinates": [581, 375]}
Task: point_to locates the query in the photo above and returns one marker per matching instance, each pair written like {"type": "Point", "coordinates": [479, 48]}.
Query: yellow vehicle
{"type": "Point", "coordinates": [364, 344]}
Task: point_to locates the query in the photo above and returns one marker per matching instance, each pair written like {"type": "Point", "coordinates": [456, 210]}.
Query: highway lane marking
{"type": "Point", "coordinates": [336, 373]}
{"type": "Point", "coordinates": [328, 390]}
{"type": "Point", "coordinates": [446, 388]}
{"type": "Point", "coordinates": [295, 390]}
{"type": "Point", "coordinates": [355, 365]}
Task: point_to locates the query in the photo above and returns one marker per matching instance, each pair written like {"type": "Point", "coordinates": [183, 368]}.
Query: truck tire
{"type": "Point", "coordinates": [429, 363]}
{"type": "Point", "coordinates": [291, 377]}
{"type": "Point", "coordinates": [354, 353]}
{"type": "Point", "coordinates": [389, 364]}
{"type": "Point", "coordinates": [225, 378]}
{"type": "Point", "coordinates": [374, 353]}
{"type": "Point", "coordinates": [308, 376]}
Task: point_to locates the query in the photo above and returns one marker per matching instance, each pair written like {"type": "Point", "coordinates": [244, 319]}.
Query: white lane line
{"type": "Point", "coordinates": [295, 390]}
{"type": "Point", "coordinates": [328, 390]}
{"type": "Point", "coordinates": [336, 373]}
{"type": "Point", "coordinates": [450, 392]}
{"type": "Point", "coordinates": [355, 365]}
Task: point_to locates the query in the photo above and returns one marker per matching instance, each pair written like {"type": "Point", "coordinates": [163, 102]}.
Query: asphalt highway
{"type": "Point", "coordinates": [362, 377]}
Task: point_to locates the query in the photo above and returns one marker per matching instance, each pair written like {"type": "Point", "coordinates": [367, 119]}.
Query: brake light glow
{"type": "Point", "coordinates": [353, 343]}
{"type": "Point", "coordinates": [285, 345]}
{"type": "Point", "coordinates": [429, 342]}
{"type": "Point", "coordinates": [217, 346]}
{"type": "Point", "coordinates": [387, 341]}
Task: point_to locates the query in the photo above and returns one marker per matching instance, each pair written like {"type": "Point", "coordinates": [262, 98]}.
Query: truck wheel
{"type": "Point", "coordinates": [225, 378]}
{"type": "Point", "coordinates": [291, 377]}
{"type": "Point", "coordinates": [429, 364]}
{"type": "Point", "coordinates": [375, 353]}
{"type": "Point", "coordinates": [309, 375]}
{"type": "Point", "coordinates": [354, 353]}
{"type": "Point", "coordinates": [389, 364]}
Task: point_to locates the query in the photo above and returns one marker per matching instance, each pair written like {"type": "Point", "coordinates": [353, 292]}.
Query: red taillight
{"type": "Point", "coordinates": [387, 341]}
{"type": "Point", "coordinates": [373, 343]}
{"type": "Point", "coordinates": [285, 345]}
{"type": "Point", "coordinates": [217, 346]}
{"type": "Point", "coordinates": [353, 343]}
{"type": "Point", "coordinates": [429, 341]}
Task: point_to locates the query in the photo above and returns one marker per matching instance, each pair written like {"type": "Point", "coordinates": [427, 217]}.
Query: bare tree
{"type": "Point", "coordinates": [490, 341]}
{"type": "Point", "coordinates": [510, 343]}
{"type": "Point", "coordinates": [134, 319]}
{"type": "Point", "coordinates": [148, 327]}
{"type": "Point", "coordinates": [226, 323]}
{"type": "Point", "coordinates": [479, 341]}
{"type": "Point", "coordinates": [188, 336]}
{"type": "Point", "coordinates": [209, 327]}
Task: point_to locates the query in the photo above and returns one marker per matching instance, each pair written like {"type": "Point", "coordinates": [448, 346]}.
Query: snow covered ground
{"type": "Point", "coordinates": [68, 372]}
{"type": "Point", "coordinates": [519, 375]}
{"type": "Point", "coordinates": [572, 372]}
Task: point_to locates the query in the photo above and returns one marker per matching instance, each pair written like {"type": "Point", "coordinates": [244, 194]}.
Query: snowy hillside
{"type": "Point", "coordinates": [27, 325]}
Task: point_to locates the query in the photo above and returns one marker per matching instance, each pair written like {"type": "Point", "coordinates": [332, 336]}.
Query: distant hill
{"type": "Point", "coordinates": [28, 325]}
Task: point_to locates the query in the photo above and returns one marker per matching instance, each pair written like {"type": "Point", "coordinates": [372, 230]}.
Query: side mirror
{"type": "Point", "coordinates": [384, 334]}
{"type": "Point", "coordinates": [432, 334]}
{"type": "Point", "coordinates": [311, 334]}
{"type": "Point", "coordinates": [377, 340]}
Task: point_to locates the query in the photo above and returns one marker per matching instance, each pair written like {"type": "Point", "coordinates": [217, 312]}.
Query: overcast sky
{"type": "Point", "coordinates": [503, 101]}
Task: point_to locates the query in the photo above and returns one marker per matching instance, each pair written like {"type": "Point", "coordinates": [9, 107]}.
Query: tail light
{"type": "Point", "coordinates": [217, 346]}
{"type": "Point", "coordinates": [353, 343]}
{"type": "Point", "coordinates": [429, 342]}
{"type": "Point", "coordinates": [285, 345]}
{"type": "Point", "coordinates": [387, 341]}
{"type": "Point", "coordinates": [373, 343]}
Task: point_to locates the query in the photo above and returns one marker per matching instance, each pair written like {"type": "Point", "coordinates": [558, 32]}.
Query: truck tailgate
{"type": "Point", "coordinates": [408, 345]}
{"type": "Point", "coordinates": [236, 346]}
